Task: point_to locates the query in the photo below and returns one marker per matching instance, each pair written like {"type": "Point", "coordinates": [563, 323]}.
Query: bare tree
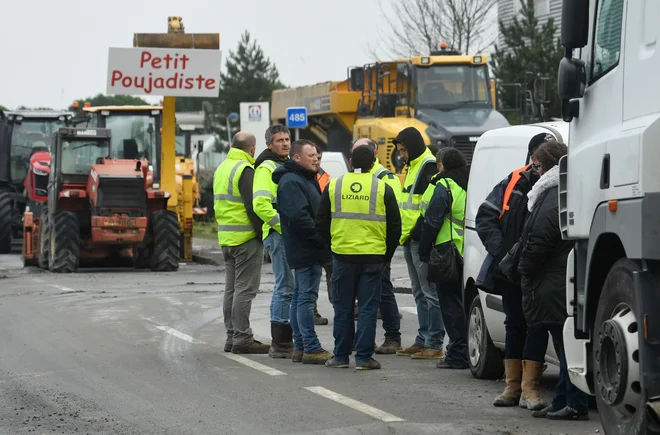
{"type": "Point", "coordinates": [419, 26]}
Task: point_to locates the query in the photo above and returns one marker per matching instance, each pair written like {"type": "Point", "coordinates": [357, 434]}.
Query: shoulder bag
{"type": "Point", "coordinates": [443, 263]}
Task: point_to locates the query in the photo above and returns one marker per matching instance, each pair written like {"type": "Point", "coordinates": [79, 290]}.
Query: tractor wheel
{"type": "Point", "coordinates": [5, 223]}
{"type": "Point", "coordinates": [44, 242]}
{"type": "Point", "coordinates": [64, 241]}
{"type": "Point", "coordinates": [165, 247]}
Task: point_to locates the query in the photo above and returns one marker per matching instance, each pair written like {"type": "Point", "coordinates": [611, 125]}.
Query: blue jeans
{"type": "Point", "coordinates": [305, 294]}
{"type": "Point", "coordinates": [431, 332]}
{"type": "Point", "coordinates": [453, 314]}
{"type": "Point", "coordinates": [389, 310]}
{"type": "Point", "coordinates": [280, 304]}
{"type": "Point", "coordinates": [566, 394]}
{"type": "Point", "coordinates": [351, 281]}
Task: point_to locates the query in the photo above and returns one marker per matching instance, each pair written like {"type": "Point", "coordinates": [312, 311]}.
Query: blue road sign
{"type": "Point", "coordinates": [296, 117]}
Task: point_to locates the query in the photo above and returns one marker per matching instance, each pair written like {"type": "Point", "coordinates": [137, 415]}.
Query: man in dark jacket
{"type": "Point", "coordinates": [298, 198]}
{"type": "Point", "coordinates": [499, 223]}
{"type": "Point", "coordinates": [359, 218]}
{"type": "Point", "coordinates": [440, 213]}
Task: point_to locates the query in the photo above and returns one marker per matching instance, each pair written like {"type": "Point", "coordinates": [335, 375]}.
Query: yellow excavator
{"type": "Point", "coordinates": [136, 133]}
{"type": "Point", "coordinates": [447, 96]}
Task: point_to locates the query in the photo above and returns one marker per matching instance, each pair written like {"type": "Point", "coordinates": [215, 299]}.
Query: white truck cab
{"type": "Point", "coordinates": [609, 201]}
{"type": "Point", "coordinates": [497, 153]}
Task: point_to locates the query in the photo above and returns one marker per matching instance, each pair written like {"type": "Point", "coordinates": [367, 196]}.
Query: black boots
{"type": "Point", "coordinates": [282, 340]}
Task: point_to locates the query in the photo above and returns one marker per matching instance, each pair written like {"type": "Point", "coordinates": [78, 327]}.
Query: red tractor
{"type": "Point", "coordinates": [99, 209]}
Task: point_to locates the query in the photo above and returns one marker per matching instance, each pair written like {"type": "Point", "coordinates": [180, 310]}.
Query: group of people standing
{"type": "Point", "coordinates": [351, 226]}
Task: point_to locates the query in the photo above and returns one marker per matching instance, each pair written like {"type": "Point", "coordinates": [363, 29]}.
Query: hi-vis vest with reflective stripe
{"type": "Point", "coordinates": [359, 223]}
{"type": "Point", "coordinates": [234, 227]}
{"type": "Point", "coordinates": [457, 216]}
{"type": "Point", "coordinates": [409, 203]}
{"type": "Point", "coordinates": [264, 196]}
{"type": "Point", "coordinates": [388, 177]}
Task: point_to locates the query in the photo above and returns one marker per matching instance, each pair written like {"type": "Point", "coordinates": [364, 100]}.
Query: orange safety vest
{"type": "Point", "coordinates": [515, 177]}
{"type": "Point", "coordinates": [323, 178]}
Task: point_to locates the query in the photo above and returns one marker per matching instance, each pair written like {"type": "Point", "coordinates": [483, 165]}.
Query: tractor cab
{"type": "Point", "coordinates": [136, 132]}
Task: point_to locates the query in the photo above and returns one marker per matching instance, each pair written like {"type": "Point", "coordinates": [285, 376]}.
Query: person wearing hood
{"type": "Point", "coordinates": [421, 167]}
{"type": "Point", "coordinates": [298, 198]}
{"type": "Point", "coordinates": [239, 235]}
{"type": "Point", "coordinates": [264, 202]}
{"type": "Point", "coordinates": [542, 269]}
{"type": "Point", "coordinates": [499, 224]}
{"type": "Point", "coordinates": [442, 221]}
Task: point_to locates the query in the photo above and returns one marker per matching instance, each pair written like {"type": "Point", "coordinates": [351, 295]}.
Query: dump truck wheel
{"type": "Point", "coordinates": [44, 242]}
{"type": "Point", "coordinates": [5, 223]}
{"type": "Point", "coordinates": [64, 243]}
{"type": "Point", "coordinates": [165, 248]}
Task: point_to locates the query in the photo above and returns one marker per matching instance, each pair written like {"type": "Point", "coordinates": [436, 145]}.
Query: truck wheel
{"type": "Point", "coordinates": [5, 223]}
{"type": "Point", "coordinates": [619, 397]}
{"type": "Point", "coordinates": [165, 248]}
{"type": "Point", "coordinates": [64, 251]}
{"type": "Point", "coordinates": [44, 242]}
{"type": "Point", "coordinates": [484, 358]}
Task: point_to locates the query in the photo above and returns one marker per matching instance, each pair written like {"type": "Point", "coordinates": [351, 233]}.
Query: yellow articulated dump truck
{"type": "Point", "coordinates": [136, 133]}
{"type": "Point", "coordinates": [447, 96]}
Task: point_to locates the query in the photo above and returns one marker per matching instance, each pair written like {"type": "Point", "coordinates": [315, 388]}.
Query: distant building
{"type": "Point", "coordinates": [544, 9]}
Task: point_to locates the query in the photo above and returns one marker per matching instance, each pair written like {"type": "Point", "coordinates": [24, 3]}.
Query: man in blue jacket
{"type": "Point", "coordinates": [298, 198]}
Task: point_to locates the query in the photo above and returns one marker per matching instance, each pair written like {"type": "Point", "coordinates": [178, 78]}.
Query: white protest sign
{"type": "Point", "coordinates": [163, 71]}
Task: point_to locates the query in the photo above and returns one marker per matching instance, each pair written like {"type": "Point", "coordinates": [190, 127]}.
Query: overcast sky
{"type": "Point", "coordinates": [56, 51]}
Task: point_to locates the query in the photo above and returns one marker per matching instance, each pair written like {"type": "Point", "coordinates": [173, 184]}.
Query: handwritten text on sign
{"type": "Point", "coordinates": [163, 71]}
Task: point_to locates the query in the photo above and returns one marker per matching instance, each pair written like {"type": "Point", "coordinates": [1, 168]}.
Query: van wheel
{"type": "Point", "coordinates": [484, 358]}
{"type": "Point", "coordinates": [619, 395]}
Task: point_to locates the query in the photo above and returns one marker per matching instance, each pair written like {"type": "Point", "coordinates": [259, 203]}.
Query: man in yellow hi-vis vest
{"type": "Point", "coordinates": [239, 235]}
{"type": "Point", "coordinates": [389, 310]}
{"type": "Point", "coordinates": [359, 218]}
{"type": "Point", "coordinates": [421, 167]}
{"type": "Point", "coordinates": [264, 200]}
{"type": "Point", "coordinates": [442, 220]}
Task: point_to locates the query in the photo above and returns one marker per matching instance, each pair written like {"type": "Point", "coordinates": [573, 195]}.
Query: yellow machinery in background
{"type": "Point", "coordinates": [185, 165]}
{"type": "Point", "coordinates": [447, 96]}
{"type": "Point", "coordinates": [137, 133]}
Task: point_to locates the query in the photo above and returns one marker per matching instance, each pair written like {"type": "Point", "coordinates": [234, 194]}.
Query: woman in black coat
{"type": "Point", "coordinates": [542, 270]}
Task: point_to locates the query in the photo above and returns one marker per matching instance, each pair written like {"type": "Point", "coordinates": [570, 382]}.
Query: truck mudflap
{"type": "Point", "coordinates": [648, 301]}
{"type": "Point", "coordinates": [576, 357]}
{"type": "Point", "coordinates": [118, 230]}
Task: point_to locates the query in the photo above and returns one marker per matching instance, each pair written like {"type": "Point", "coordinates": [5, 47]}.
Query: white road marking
{"type": "Point", "coordinates": [358, 406]}
{"type": "Point", "coordinates": [411, 310]}
{"type": "Point", "coordinates": [255, 365]}
{"type": "Point", "coordinates": [179, 334]}
{"type": "Point", "coordinates": [61, 287]}
{"type": "Point", "coordinates": [37, 280]}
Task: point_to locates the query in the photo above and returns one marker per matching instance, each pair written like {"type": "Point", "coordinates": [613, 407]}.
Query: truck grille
{"type": "Point", "coordinates": [121, 195]}
{"type": "Point", "coordinates": [464, 145]}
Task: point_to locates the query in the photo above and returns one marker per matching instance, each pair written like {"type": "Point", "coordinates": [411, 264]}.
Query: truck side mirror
{"type": "Point", "coordinates": [357, 79]}
{"type": "Point", "coordinates": [571, 80]}
{"type": "Point", "coordinates": [575, 24]}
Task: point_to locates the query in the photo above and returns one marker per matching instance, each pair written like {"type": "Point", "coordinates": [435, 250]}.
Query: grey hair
{"type": "Point", "coordinates": [370, 143]}
{"type": "Point", "coordinates": [274, 129]}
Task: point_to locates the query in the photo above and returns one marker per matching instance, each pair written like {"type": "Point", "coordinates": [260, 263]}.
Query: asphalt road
{"type": "Point", "coordinates": [126, 352]}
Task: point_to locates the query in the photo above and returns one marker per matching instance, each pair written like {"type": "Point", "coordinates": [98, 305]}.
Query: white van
{"type": "Point", "coordinates": [497, 153]}
{"type": "Point", "coordinates": [334, 163]}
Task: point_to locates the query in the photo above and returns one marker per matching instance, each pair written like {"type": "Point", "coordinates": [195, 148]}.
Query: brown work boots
{"type": "Point", "coordinates": [281, 345]}
{"type": "Point", "coordinates": [254, 348]}
{"type": "Point", "coordinates": [318, 318]}
{"type": "Point", "coordinates": [319, 357]}
{"type": "Point", "coordinates": [522, 385]}
{"type": "Point", "coordinates": [389, 347]}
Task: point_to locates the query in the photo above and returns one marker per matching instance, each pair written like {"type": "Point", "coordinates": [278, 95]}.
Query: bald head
{"type": "Point", "coordinates": [245, 141]}
{"type": "Point", "coordinates": [368, 142]}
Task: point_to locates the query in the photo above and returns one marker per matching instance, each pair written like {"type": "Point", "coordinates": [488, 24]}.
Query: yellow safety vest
{"type": "Point", "coordinates": [388, 177]}
{"type": "Point", "coordinates": [409, 203]}
{"type": "Point", "coordinates": [264, 196]}
{"type": "Point", "coordinates": [359, 224]}
{"type": "Point", "coordinates": [234, 226]}
{"type": "Point", "coordinates": [457, 216]}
